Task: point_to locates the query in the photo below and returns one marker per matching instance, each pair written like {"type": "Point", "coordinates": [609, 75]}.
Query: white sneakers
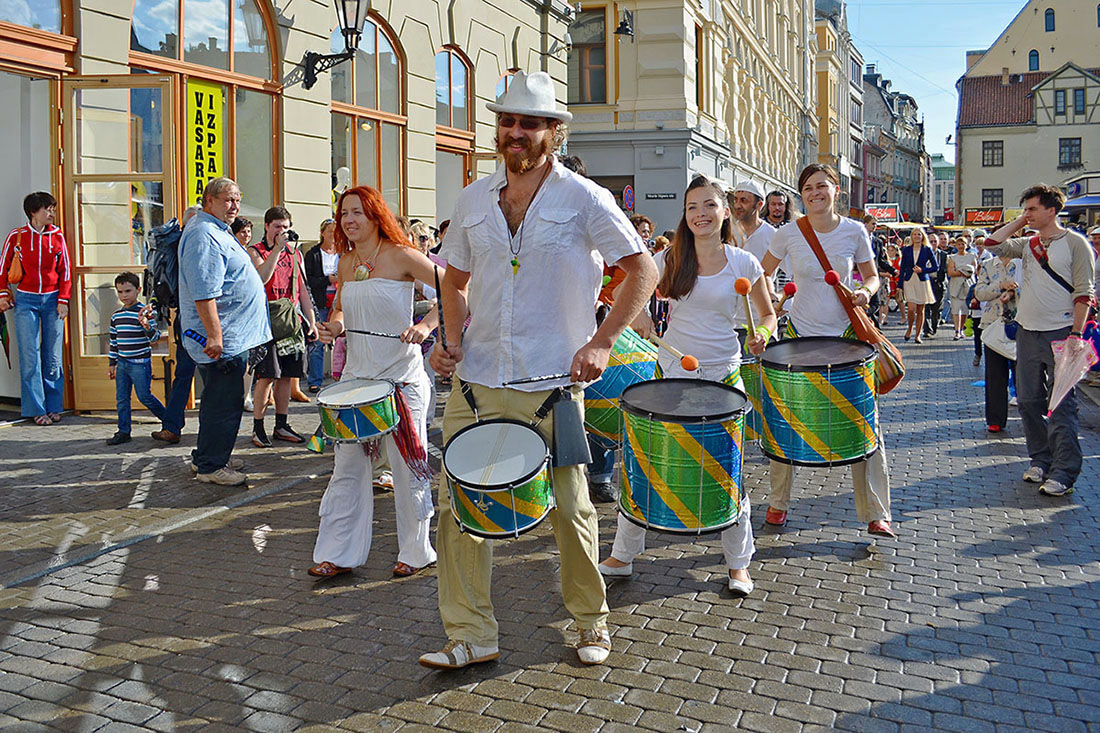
{"type": "Point", "coordinates": [609, 572]}
{"type": "Point", "coordinates": [458, 654]}
{"type": "Point", "coordinates": [224, 476]}
{"type": "Point", "coordinates": [594, 646]}
{"type": "Point", "coordinates": [1034, 474]}
{"type": "Point", "coordinates": [235, 464]}
{"type": "Point", "coordinates": [1051, 487]}
{"type": "Point", "coordinates": [741, 588]}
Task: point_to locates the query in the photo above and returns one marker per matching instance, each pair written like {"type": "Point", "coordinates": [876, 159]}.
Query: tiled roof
{"type": "Point", "coordinates": [985, 101]}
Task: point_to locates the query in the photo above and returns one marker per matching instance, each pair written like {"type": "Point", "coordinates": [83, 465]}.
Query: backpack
{"type": "Point", "coordinates": [163, 266]}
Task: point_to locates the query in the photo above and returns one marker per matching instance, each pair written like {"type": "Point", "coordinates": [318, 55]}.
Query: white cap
{"type": "Point", "coordinates": [750, 186]}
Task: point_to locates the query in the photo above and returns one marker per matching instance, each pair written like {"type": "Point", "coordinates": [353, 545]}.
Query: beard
{"type": "Point", "coordinates": [525, 160]}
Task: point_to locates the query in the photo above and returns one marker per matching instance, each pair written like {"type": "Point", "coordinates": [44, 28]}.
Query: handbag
{"type": "Point", "coordinates": [889, 366]}
{"type": "Point", "coordinates": [15, 270]}
{"type": "Point", "coordinates": [283, 312]}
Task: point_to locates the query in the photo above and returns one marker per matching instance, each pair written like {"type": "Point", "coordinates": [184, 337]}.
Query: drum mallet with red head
{"type": "Point", "coordinates": [687, 361]}
{"type": "Point", "coordinates": [743, 286]}
{"type": "Point", "coordinates": [788, 290]}
{"type": "Point", "coordinates": [833, 278]}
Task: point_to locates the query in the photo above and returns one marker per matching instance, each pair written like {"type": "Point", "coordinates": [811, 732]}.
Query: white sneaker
{"type": "Point", "coordinates": [609, 572]}
{"type": "Point", "coordinates": [741, 588]}
{"type": "Point", "coordinates": [234, 463]}
{"type": "Point", "coordinates": [594, 646]}
{"type": "Point", "coordinates": [1051, 487]}
{"type": "Point", "coordinates": [458, 654]}
{"type": "Point", "coordinates": [223, 477]}
{"type": "Point", "coordinates": [248, 403]}
{"type": "Point", "coordinates": [1034, 474]}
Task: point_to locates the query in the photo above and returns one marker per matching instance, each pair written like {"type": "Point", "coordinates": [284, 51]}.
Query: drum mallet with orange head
{"type": "Point", "coordinates": [788, 290]}
{"type": "Point", "coordinates": [743, 286]}
{"type": "Point", "coordinates": [687, 361]}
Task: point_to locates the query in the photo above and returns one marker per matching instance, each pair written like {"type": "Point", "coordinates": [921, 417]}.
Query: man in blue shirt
{"type": "Point", "coordinates": [222, 302]}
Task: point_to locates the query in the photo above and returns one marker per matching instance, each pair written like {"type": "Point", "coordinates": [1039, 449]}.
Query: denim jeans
{"type": "Point", "coordinates": [1051, 442]}
{"type": "Point", "coordinates": [174, 417]}
{"type": "Point", "coordinates": [219, 411]}
{"type": "Point", "coordinates": [39, 332]}
{"type": "Point", "coordinates": [136, 373]}
{"type": "Point", "coordinates": [317, 354]}
{"type": "Point", "coordinates": [603, 459]}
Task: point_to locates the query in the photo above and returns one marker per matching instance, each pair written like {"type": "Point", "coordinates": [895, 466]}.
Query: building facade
{"type": "Point", "coordinates": [895, 114]}
{"type": "Point", "coordinates": [720, 87]}
{"type": "Point", "coordinates": [839, 68]}
{"type": "Point", "coordinates": [942, 196]}
{"type": "Point", "coordinates": [125, 108]}
{"type": "Point", "coordinates": [1029, 107]}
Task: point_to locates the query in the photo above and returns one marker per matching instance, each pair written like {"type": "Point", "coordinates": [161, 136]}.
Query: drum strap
{"type": "Point", "coordinates": [548, 404]}
{"type": "Point", "coordinates": [468, 393]}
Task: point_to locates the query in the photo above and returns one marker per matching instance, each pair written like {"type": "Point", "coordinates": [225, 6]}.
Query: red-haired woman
{"type": "Point", "coordinates": [375, 285]}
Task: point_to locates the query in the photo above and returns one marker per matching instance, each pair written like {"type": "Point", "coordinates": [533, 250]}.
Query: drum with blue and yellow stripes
{"type": "Point", "coordinates": [357, 410]}
{"type": "Point", "coordinates": [818, 401]}
{"type": "Point", "coordinates": [633, 359]}
{"type": "Point", "coordinates": [682, 455]}
{"type": "Point", "coordinates": [498, 476]}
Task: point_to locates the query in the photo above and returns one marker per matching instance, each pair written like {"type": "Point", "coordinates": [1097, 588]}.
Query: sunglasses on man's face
{"type": "Point", "coordinates": [525, 123]}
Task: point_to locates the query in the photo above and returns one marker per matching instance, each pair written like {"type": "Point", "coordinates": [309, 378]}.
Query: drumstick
{"type": "Point", "coordinates": [833, 278]}
{"type": "Point", "coordinates": [788, 290]}
{"type": "Point", "coordinates": [439, 306]}
{"type": "Point", "coordinates": [373, 333]}
{"type": "Point", "coordinates": [743, 286]}
{"type": "Point", "coordinates": [528, 380]}
{"type": "Point", "coordinates": [687, 361]}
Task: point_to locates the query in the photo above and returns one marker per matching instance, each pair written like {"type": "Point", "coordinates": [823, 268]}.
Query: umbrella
{"type": "Point", "coordinates": [1072, 358]}
{"type": "Point", "coordinates": [4, 337]}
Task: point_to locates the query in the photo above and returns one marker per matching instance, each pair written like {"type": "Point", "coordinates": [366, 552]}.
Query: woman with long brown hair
{"type": "Point", "coordinates": [697, 273]}
{"type": "Point", "coordinates": [376, 280]}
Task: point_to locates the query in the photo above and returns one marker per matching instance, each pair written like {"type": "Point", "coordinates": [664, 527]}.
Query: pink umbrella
{"type": "Point", "coordinates": [1072, 358]}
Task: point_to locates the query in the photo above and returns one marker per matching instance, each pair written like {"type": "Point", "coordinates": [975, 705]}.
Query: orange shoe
{"type": "Point", "coordinates": [881, 527]}
{"type": "Point", "coordinates": [775, 517]}
{"type": "Point", "coordinates": [327, 570]}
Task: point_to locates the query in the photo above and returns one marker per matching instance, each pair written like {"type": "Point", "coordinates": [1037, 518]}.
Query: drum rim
{"type": "Point", "coordinates": [819, 464]}
{"type": "Point", "coordinates": [677, 530]}
{"type": "Point", "coordinates": [331, 406]}
{"type": "Point", "coordinates": [766, 363]}
{"type": "Point", "coordinates": [625, 406]}
{"type": "Point", "coordinates": [514, 534]}
{"type": "Point", "coordinates": [485, 488]}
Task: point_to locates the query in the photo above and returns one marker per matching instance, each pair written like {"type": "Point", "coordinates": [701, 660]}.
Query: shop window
{"type": "Point", "coordinates": [43, 15]}
{"type": "Point", "coordinates": [1033, 60]}
{"type": "Point", "coordinates": [588, 58]}
{"type": "Point", "coordinates": [452, 90]}
{"type": "Point", "coordinates": [368, 124]}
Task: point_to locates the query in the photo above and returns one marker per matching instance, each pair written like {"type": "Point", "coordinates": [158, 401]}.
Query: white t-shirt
{"type": "Point", "coordinates": [704, 322]}
{"type": "Point", "coordinates": [815, 309]}
{"type": "Point", "coordinates": [330, 262]}
{"type": "Point", "coordinates": [759, 241]}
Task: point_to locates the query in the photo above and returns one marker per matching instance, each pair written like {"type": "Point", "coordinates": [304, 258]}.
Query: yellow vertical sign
{"type": "Point", "coordinates": [205, 136]}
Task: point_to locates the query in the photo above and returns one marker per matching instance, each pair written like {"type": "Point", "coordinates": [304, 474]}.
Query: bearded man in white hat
{"type": "Point", "coordinates": [525, 253]}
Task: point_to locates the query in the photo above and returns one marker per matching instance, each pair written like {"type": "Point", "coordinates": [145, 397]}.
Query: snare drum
{"type": "Point", "coordinates": [819, 401]}
{"type": "Point", "coordinates": [681, 464]}
{"type": "Point", "coordinates": [633, 359]}
{"type": "Point", "coordinates": [498, 476]}
{"type": "Point", "coordinates": [357, 410]}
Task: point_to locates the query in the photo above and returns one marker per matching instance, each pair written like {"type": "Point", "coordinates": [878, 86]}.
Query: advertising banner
{"type": "Point", "coordinates": [884, 213]}
{"type": "Point", "coordinates": [205, 136]}
{"type": "Point", "coordinates": [984, 216]}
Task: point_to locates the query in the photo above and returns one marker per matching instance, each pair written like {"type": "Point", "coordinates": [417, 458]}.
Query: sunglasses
{"type": "Point", "coordinates": [525, 123]}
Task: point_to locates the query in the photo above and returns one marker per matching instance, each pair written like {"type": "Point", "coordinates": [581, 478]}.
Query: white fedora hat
{"type": "Point", "coordinates": [531, 95]}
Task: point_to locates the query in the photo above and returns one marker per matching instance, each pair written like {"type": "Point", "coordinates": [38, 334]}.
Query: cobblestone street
{"type": "Point", "coordinates": [136, 596]}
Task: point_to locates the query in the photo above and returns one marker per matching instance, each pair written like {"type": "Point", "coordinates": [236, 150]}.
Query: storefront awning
{"type": "Point", "coordinates": [1082, 202]}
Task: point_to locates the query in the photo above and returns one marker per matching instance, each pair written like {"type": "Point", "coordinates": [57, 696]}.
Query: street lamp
{"type": "Point", "coordinates": [351, 14]}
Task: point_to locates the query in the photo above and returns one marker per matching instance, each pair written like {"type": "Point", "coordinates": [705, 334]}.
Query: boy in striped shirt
{"type": "Point", "coordinates": [130, 354]}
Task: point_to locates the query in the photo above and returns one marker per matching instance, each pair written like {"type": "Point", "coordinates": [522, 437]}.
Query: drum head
{"type": "Point", "coordinates": [815, 352]}
{"type": "Point", "coordinates": [495, 454]}
{"type": "Point", "coordinates": [354, 392]}
{"type": "Point", "coordinates": [683, 400]}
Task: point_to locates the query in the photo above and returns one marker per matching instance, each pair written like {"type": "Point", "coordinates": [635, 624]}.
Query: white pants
{"type": "Point", "coordinates": [347, 508]}
{"type": "Point", "coordinates": [737, 541]}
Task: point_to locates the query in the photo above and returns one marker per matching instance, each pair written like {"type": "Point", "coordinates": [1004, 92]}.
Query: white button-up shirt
{"type": "Point", "coordinates": [531, 322]}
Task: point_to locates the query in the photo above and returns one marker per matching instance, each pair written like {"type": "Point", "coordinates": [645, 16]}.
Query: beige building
{"type": "Point", "coordinates": [721, 87]}
{"type": "Point", "coordinates": [1029, 106]}
{"type": "Point", "coordinates": [839, 69]}
{"type": "Point", "coordinates": [124, 108]}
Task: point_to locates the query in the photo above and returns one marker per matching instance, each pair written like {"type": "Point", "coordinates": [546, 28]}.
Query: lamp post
{"type": "Point", "coordinates": [351, 14]}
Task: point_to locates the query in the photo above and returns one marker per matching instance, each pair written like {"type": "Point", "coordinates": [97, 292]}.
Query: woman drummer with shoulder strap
{"type": "Point", "coordinates": [817, 311]}
{"type": "Point", "coordinates": [698, 273]}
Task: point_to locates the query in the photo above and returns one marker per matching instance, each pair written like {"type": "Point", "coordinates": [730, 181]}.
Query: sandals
{"type": "Point", "coordinates": [327, 570]}
{"type": "Point", "coordinates": [54, 416]}
{"type": "Point", "coordinates": [43, 420]}
{"type": "Point", "coordinates": [404, 570]}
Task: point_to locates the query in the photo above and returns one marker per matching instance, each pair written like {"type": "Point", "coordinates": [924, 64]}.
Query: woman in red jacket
{"type": "Point", "coordinates": [41, 302]}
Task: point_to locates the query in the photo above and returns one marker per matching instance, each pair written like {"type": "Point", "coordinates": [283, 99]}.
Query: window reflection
{"type": "Point", "coordinates": [255, 166]}
{"type": "Point", "coordinates": [45, 15]}
{"type": "Point", "coordinates": [250, 48]}
{"type": "Point", "coordinates": [155, 28]}
{"type": "Point", "coordinates": [206, 32]}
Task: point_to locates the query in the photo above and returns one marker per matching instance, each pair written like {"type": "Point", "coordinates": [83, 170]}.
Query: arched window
{"type": "Point", "coordinates": [219, 36]}
{"type": "Point", "coordinates": [1033, 60]}
{"type": "Point", "coordinates": [1048, 18]}
{"type": "Point", "coordinates": [504, 83]}
{"type": "Point", "coordinates": [368, 121]}
{"type": "Point", "coordinates": [43, 15]}
{"type": "Point", "coordinates": [452, 90]}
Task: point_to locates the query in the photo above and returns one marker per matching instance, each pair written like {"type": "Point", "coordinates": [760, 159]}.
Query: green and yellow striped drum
{"type": "Point", "coordinates": [747, 377]}
{"type": "Point", "coordinates": [682, 455]}
{"type": "Point", "coordinates": [498, 476]}
{"type": "Point", "coordinates": [633, 359]}
{"type": "Point", "coordinates": [357, 410]}
{"type": "Point", "coordinates": [819, 401]}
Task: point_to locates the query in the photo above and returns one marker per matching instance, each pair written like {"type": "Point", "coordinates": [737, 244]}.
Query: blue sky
{"type": "Point", "coordinates": [920, 46]}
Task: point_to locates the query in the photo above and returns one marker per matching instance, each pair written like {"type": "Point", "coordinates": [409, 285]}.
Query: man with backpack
{"type": "Point", "coordinates": [1055, 294]}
